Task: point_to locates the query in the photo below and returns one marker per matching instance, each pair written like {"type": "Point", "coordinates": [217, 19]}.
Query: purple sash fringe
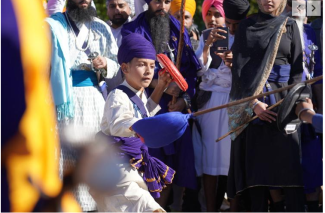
{"type": "Point", "coordinates": [156, 174]}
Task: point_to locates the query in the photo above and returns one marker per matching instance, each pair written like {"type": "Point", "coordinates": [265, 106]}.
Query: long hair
{"type": "Point", "coordinates": [278, 11]}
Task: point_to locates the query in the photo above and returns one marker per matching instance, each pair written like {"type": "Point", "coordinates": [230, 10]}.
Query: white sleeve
{"type": "Point", "coordinates": [152, 107]}
{"type": "Point", "coordinates": [118, 115]}
{"type": "Point", "coordinates": [199, 55]}
{"type": "Point", "coordinates": [111, 54]}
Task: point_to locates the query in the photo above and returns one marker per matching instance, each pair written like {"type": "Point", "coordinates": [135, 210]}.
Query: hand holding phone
{"type": "Point", "coordinates": [226, 56]}
{"type": "Point", "coordinates": [217, 39]}
{"type": "Point", "coordinates": [214, 34]}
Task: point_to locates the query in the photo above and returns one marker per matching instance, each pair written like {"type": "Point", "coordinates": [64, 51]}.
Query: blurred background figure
{"type": "Point", "coordinates": [29, 146]}
{"type": "Point", "coordinates": [96, 165]}
{"type": "Point", "coordinates": [190, 7]}
{"type": "Point", "coordinates": [119, 12]}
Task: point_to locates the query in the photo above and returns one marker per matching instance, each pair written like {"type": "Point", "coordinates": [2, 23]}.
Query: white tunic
{"type": "Point", "coordinates": [119, 113]}
{"type": "Point", "coordinates": [88, 101]}
{"type": "Point", "coordinates": [131, 194]}
{"type": "Point", "coordinates": [117, 32]}
{"type": "Point", "coordinates": [210, 157]}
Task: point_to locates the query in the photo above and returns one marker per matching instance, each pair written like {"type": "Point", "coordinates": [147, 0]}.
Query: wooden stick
{"type": "Point", "coordinates": [180, 43]}
{"type": "Point", "coordinates": [253, 118]}
{"type": "Point", "coordinates": [311, 81]}
{"type": "Point", "coordinates": [181, 37]}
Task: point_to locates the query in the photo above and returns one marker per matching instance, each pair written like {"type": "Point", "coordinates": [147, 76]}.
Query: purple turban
{"type": "Point", "coordinates": [135, 45]}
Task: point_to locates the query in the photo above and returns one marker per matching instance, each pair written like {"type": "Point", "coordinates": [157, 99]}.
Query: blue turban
{"type": "Point", "coordinates": [162, 129]}
{"type": "Point", "coordinates": [148, 1]}
{"type": "Point", "coordinates": [135, 45]}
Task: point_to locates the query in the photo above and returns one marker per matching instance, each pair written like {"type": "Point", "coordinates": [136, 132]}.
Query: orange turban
{"type": "Point", "coordinates": [190, 6]}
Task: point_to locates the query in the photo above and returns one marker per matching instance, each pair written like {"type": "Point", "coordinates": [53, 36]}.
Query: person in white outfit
{"type": "Point", "coordinates": [122, 109]}
{"type": "Point", "coordinates": [213, 159]}
{"type": "Point", "coordinates": [119, 12]}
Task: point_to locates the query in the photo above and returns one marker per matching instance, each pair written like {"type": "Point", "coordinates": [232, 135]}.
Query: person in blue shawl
{"type": "Point", "coordinates": [163, 30]}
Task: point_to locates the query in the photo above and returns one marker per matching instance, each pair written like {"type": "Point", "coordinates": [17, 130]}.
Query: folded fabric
{"type": "Point", "coordinates": [156, 174]}
{"type": "Point", "coordinates": [163, 129]}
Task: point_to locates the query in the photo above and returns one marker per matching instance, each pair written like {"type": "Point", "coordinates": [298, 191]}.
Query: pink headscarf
{"type": "Point", "coordinates": [208, 3]}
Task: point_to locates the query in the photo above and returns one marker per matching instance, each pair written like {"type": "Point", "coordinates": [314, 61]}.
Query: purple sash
{"type": "Point", "coordinates": [137, 102]}
{"type": "Point", "coordinates": [156, 174]}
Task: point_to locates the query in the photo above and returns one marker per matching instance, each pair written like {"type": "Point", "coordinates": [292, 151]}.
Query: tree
{"type": "Point", "coordinates": [101, 11]}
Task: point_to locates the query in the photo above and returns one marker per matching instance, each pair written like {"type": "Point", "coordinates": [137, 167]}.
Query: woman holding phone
{"type": "Point", "coordinates": [267, 54]}
{"type": "Point", "coordinates": [212, 159]}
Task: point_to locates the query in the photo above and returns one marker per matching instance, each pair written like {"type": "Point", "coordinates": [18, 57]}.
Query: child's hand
{"type": "Point", "coordinates": [164, 79]}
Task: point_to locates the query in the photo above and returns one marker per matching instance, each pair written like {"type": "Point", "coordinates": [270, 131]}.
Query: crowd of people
{"type": "Point", "coordinates": [105, 77]}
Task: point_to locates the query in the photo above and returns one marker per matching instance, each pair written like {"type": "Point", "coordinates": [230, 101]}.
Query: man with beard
{"type": "Point", "coordinates": [75, 88]}
{"type": "Point", "coordinates": [55, 6]}
{"type": "Point", "coordinates": [119, 12]}
{"type": "Point", "coordinates": [163, 30]}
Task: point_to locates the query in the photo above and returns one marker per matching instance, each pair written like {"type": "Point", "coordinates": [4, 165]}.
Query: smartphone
{"type": "Point", "coordinates": [218, 46]}
{"type": "Point", "coordinates": [222, 45]}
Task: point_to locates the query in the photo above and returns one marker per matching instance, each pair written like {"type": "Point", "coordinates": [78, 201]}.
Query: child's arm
{"type": "Point", "coordinates": [163, 81]}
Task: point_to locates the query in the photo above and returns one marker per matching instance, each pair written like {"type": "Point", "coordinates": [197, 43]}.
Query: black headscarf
{"type": "Point", "coordinates": [254, 49]}
{"type": "Point", "coordinates": [236, 9]}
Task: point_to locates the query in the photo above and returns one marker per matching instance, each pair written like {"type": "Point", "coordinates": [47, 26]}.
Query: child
{"type": "Point", "coordinates": [124, 106]}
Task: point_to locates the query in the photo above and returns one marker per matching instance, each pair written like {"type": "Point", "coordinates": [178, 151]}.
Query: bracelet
{"type": "Point", "coordinates": [254, 105]}
{"type": "Point", "coordinates": [208, 45]}
{"type": "Point", "coordinates": [302, 110]}
{"type": "Point", "coordinates": [165, 89]}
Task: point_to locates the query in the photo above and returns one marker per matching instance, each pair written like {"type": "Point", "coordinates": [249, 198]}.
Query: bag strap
{"type": "Point", "coordinates": [135, 99]}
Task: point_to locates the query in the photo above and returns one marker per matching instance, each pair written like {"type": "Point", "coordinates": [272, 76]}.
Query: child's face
{"type": "Point", "coordinates": [139, 72]}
